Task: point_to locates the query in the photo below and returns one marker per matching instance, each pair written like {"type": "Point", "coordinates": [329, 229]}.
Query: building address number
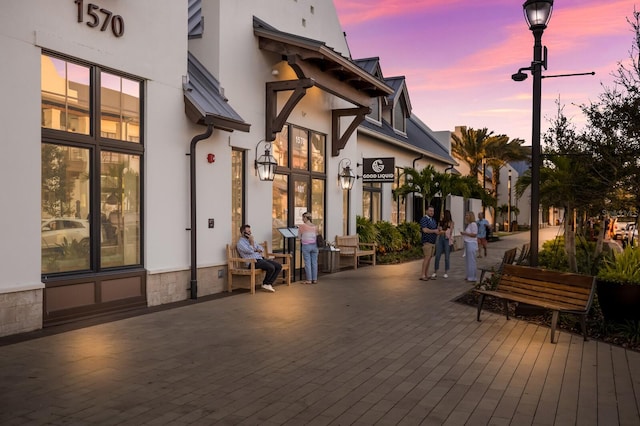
{"type": "Point", "coordinates": [98, 15]}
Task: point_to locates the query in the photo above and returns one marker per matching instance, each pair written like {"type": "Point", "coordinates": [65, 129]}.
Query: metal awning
{"type": "Point", "coordinates": [204, 102]}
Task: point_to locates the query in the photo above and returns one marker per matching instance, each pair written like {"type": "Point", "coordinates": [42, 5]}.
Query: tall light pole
{"type": "Point", "coordinates": [537, 14]}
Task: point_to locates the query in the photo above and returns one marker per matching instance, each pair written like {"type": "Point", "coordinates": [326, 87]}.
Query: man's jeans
{"type": "Point", "coordinates": [272, 269]}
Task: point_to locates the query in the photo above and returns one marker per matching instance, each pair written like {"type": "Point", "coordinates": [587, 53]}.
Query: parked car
{"type": "Point", "coordinates": [621, 226]}
{"type": "Point", "coordinates": [55, 230]}
{"type": "Point", "coordinates": [630, 234]}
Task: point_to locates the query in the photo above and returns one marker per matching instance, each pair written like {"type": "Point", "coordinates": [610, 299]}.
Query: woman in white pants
{"type": "Point", "coordinates": [470, 245]}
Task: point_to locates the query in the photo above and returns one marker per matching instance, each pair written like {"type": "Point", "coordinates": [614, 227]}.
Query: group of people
{"type": "Point", "coordinates": [307, 232]}
{"type": "Point", "coordinates": [438, 239]}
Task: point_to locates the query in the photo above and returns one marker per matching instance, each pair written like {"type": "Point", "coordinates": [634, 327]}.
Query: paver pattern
{"type": "Point", "coordinates": [371, 346]}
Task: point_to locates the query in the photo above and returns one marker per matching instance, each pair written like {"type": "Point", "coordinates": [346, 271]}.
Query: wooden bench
{"type": "Point", "coordinates": [508, 258]}
{"type": "Point", "coordinates": [237, 265]}
{"type": "Point", "coordinates": [351, 247]}
{"type": "Point", "coordinates": [557, 291]}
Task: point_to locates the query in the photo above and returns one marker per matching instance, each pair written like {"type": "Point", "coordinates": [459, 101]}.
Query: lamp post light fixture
{"type": "Point", "coordinates": [346, 176]}
{"type": "Point", "coordinates": [266, 164]}
{"type": "Point", "coordinates": [537, 14]}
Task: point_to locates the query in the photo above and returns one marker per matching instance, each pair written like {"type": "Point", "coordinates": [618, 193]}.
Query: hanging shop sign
{"type": "Point", "coordinates": [99, 17]}
{"type": "Point", "coordinates": [378, 169]}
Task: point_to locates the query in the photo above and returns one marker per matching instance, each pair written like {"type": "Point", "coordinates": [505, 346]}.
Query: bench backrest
{"type": "Point", "coordinates": [509, 256]}
{"type": "Point", "coordinates": [523, 258]}
{"type": "Point", "coordinates": [344, 241]}
{"type": "Point", "coordinates": [574, 291]}
{"type": "Point", "coordinates": [232, 252]}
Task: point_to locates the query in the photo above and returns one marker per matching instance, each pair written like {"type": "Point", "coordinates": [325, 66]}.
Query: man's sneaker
{"type": "Point", "coordinates": [268, 287]}
{"type": "Point", "coordinates": [434, 276]}
{"type": "Point", "coordinates": [446, 276]}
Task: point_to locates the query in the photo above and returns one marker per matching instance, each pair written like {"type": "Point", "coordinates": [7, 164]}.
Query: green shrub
{"type": "Point", "coordinates": [553, 256]}
{"type": "Point", "coordinates": [410, 234]}
{"type": "Point", "coordinates": [366, 230]}
{"type": "Point", "coordinates": [389, 238]}
{"type": "Point", "coordinates": [622, 267]}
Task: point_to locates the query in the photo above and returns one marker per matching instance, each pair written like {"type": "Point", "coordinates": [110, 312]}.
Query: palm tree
{"type": "Point", "coordinates": [422, 182]}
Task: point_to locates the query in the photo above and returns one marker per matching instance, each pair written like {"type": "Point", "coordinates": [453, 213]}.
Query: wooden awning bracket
{"type": "Point", "coordinates": [338, 141]}
{"type": "Point", "coordinates": [274, 120]}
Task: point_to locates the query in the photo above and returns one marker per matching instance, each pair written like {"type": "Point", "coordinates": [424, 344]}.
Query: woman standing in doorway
{"type": "Point", "coordinates": [308, 236]}
{"type": "Point", "coordinates": [470, 244]}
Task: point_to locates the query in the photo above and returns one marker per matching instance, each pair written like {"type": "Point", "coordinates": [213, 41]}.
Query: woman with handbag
{"type": "Point", "coordinates": [308, 233]}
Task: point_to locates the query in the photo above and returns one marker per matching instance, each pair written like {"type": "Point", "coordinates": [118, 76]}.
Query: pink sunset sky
{"type": "Point", "coordinates": [458, 56]}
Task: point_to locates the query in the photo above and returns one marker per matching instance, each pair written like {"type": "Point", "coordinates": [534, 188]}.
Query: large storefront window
{"type": "Point", "coordinates": [237, 192]}
{"type": "Point", "coordinates": [398, 206]}
{"type": "Point", "coordinates": [120, 209]}
{"type": "Point", "coordinates": [65, 226]}
{"type": "Point", "coordinates": [300, 187]}
{"type": "Point", "coordinates": [371, 205]}
{"type": "Point", "coordinates": [91, 192]}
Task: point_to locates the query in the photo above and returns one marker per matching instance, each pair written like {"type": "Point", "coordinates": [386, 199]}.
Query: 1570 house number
{"type": "Point", "coordinates": [116, 22]}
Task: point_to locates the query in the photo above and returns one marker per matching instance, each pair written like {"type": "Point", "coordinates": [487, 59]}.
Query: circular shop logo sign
{"type": "Point", "coordinates": [377, 166]}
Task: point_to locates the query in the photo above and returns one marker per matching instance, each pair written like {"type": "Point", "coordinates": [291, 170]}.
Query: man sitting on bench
{"type": "Point", "coordinates": [249, 249]}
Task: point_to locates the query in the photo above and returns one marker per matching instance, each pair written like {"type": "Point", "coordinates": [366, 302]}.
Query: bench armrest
{"type": "Point", "coordinates": [286, 257]}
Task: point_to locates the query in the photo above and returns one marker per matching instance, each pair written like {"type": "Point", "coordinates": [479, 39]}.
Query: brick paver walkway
{"type": "Point", "coordinates": [372, 346]}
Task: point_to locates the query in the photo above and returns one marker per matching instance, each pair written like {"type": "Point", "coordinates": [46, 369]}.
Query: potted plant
{"type": "Point", "coordinates": [618, 285]}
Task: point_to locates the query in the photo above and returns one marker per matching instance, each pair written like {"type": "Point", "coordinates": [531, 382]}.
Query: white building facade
{"type": "Point", "coordinates": [131, 131]}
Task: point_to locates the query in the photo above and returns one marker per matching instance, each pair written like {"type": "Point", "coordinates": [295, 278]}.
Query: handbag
{"type": "Point", "coordinates": [320, 241]}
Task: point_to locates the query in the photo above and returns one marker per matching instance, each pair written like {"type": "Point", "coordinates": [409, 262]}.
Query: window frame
{"type": "Point", "coordinates": [97, 144]}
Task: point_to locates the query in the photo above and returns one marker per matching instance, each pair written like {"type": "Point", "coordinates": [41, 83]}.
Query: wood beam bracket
{"type": "Point", "coordinates": [274, 120]}
{"type": "Point", "coordinates": [338, 141]}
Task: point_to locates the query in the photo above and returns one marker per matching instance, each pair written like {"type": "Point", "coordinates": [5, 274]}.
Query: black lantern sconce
{"type": "Point", "coordinates": [265, 164]}
{"type": "Point", "coordinates": [346, 176]}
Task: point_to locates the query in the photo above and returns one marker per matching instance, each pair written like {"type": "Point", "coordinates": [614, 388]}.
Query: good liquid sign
{"type": "Point", "coordinates": [378, 169]}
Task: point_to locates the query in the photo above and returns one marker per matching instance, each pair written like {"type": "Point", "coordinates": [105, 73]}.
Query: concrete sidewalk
{"type": "Point", "coordinates": [370, 346]}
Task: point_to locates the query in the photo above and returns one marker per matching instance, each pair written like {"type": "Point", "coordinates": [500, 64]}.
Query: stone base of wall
{"type": "Point", "coordinates": [169, 287]}
{"type": "Point", "coordinates": [20, 312]}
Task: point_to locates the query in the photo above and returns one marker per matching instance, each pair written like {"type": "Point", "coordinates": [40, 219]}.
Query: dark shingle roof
{"type": "Point", "coordinates": [204, 101]}
{"type": "Point", "coordinates": [418, 138]}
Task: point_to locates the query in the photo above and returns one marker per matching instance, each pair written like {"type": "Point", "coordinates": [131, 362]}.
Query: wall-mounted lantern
{"type": "Point", "coordinates": [346, 176]}
{"type": "Point", "coordinates": [266, 164]}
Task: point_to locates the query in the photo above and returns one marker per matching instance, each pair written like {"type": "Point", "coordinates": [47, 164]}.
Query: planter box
{"type": "Point", "coordinates": [619, 301]}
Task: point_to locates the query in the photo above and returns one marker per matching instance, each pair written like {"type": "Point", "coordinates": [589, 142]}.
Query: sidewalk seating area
{"type": "Point", "coordinates": [373, 345]}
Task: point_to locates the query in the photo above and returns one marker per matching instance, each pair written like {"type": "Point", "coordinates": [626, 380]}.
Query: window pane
{"type": "Point", "coordinates": [65, 96]}
{"type": "Point", "coordinates": [119, 108]}
{"type": "Point", "coordinates": [65, 207]}
{"type": "Point", "coordinates": [376, 207]}
{"type": "Point", "coordinates": [299, 149]}
{"type": "Point", "coordinates": [345, 212]}
{"type": "Point", "coordinates": [375, 109]}
{"type": "Point", "coordinates": [120, 209]}
{"type": "Point", "coordinates": [317, 204]}
{"type": "Point", "coordinates": [366, 204]}
{"type": "Point", "coordinates": [237, 193]}
{"type": "Point", "coordinates": [399, 117]}
{"type": "Point", "coordinates": [280, 210]}
{"type": "Point", "coordinates": [317, 152]}
{"type": "Point", "coordinates": [280, 147]}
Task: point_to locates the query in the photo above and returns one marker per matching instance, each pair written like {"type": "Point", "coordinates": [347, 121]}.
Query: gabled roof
{"type": "Point", "coordinates": [370, 65]}
{"type": "Point", "coordinates": [196, 21]}
{"type": "Point", "coordinates": [320, 56]}
{"type": "Point", "coordinates": [204, 101]}
{"type": "Point", "coordinates": [418, 138]}
{"type": "Point", "coordinates": [399, 86]}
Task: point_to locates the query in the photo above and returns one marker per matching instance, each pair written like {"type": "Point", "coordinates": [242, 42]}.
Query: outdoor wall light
{"type": "Point", "coordinates": [266, 164]}
{"type": "Point", "coordinates": [346, 177]}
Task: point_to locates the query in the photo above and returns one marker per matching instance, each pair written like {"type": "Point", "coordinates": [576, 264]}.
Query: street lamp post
{"type": "Point", "coordinates": [537, 14]}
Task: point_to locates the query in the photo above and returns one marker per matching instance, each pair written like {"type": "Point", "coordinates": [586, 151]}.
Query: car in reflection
{"type": "Point", "coordinates": [56, 230]}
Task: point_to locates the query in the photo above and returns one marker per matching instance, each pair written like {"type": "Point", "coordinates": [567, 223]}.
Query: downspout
{"type": "Point", "coordinates": [415, 160]}
{"type": "Point", "coordinates": [193, 288]}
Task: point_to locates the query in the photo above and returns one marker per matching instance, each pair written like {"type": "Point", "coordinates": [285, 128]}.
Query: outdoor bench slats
{"type": "Point", "coordinates": [351, 247]}
{"type": "Point", "coordinates": [556, 291]}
